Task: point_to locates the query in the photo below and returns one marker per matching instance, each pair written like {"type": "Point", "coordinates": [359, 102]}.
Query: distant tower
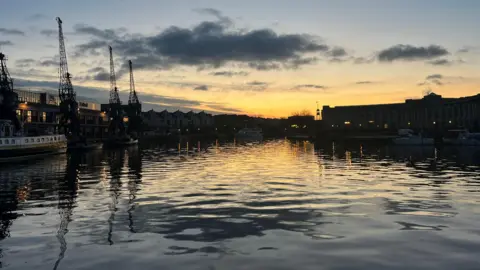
{"type": "Point", "coordinates": [68, 102]}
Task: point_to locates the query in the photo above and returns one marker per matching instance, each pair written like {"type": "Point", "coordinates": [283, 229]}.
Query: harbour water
{"type": "Point", "coordinates": [230, 205]}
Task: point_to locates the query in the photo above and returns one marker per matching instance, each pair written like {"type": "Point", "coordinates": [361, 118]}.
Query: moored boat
{"type": "Point", "coordinates": [250, 134]}
{"type": "Point", "coordinates": [407, 137]}
{"type": "Point", "coordinates": [14, 147]}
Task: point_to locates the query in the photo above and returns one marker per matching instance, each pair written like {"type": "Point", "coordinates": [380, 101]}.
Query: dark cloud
{"type": "Point", "coordinates": [16, 32]}
{"type": "Point", "coordinates": [216, 13]}
{"type": "Point", "coordinates": [362, 60]}
{"type": "Point", "coordinates": [468, 49]}
{"type": "Point", "coordinates": [149, 101]}
{"type": "Point", "coordinates": [49, 63]}
{"type": "Point", "coordinates": [411, 53]}
{"type": "Point", "coordinates": [201, 88]}
{"type": "Point", "coordinates": [337, 52]}
{"type": "Point", "coordinates": [264, 66]}
{"type": "Point", "coordinates": [209, 44]}
{"type": "Point", "coordinates": [434, 76]}
{"type": "Point", "coordinates": [37, 17]}
{"type": "Point", "coordinates": [440, 62]}
{"type": "Point", "coordinates": [436, 82]}
{"type": "Point", "coordinates": [101, 76]}
{"type": "Point", "coordinates": [27, 62]}
{"type": "Point", "coordinates": [433, 79]}
{"type": "Point", "coordinates": [365, 82]}
{"type": "Point", "coordinates": [49, 32]}
{"type": "Point", "coordinates": [314, 86]}
{"type": "Point", "coordinates": [107, 34]}
{"type": "Point", "coordinates": [97, 69]}
{"type": "Point", "coordinates": [6, 43]}
{"type": "Point", "coordinates": [257, 83]}
{"type": "Point", "coordinates": [229, 73]}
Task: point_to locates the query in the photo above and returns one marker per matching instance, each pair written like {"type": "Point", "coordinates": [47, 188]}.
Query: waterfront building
{"type": "Point", "coordinates": [39, 112]}
{"type": "Point", "coordinates": [166, 122]}
{"type": "Point", "coordinates": [428, 113]}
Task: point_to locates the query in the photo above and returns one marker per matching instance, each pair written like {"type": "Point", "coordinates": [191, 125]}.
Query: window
{"type": "Point", "coordinates": [6, 141]}
{"type": "Point", "coordinates": [13, 141]}
{"type": "Point", "coordinates": [44, 117]}
{"type": "Point", "coordinates": [38, 140]}
{"type": "Point", "coordinates": [29, 116]}
{"type": "Point", "coordinates": [26, 140]}
{"type": "Point", "coordinates": [0, 141]}
{"type": "Point", "coordinates": [43, 139]}
{"type": "Point", "coordinates": [55, 138]}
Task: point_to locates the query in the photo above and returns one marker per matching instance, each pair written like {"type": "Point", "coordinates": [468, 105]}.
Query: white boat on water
{"type": "Point", "coordinates": [461, 137]}
{"type": "Point", "coordinates": [14, 146]}
{"type": "Point", "coordinates": [250, 134]}
{"type": "Point", "coordinates": [408, 137]}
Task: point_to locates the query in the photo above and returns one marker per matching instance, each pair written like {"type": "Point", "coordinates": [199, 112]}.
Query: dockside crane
{"type": "Point", "coordinates": [115, 113]}
{"type": "Point", "coordinates": [69, 120]}
{"type": "Point", "coordinates": [134, 107]}
{"type": "Point", "coordinates": [8, 98]}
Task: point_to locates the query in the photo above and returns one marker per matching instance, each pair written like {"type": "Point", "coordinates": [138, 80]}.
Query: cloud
{"type": "Point", "coordinates": [27, 62]}
{"type": "Point", "coordinates": [362, 60]}
{"type": "Point", "coordinates": [337, 52]}
{"type": "Point", "coordinates": [264, 66]}
{"type": "Point", "coordinates": [49, 32]}
{"type": "Point", "coordinates": [257, 83]}
{"type": "Point", "coordinates": [216, 13]}
{"type": "Point", "coordinates": [97, 69]}
{"type": "Point", "coordinates": [468, 49]}
{"type": "Point", "coordinates": [434, 76]}
{"type": "Point", "coordinates": [6, 43]}
{"type": "Point", "coordinates": [107, 34]}
{"type": "Point", "coordinates": [49, 63]}
{"type": "Point", "coordinates": [101, 76]}
{"type": "Point", "coordinates": [201, 88]}
{"type": "Point", "coordinates": [149, 101]}
{"type": "Point", "coordinates": [209, 44]}
{"type": "Point", "coordinates": [314, 86]}
{"type": "Point", "coordinates": [16, 32]}
{"type": "Point", "coordinates": [37, 17]}
{"type": "Point", "coordinates": [229, 73]}
{"type": "Point", "coordinates": [411, 53]}
{"type": "Point", "coordinates": [364, 82]}
{"type": "Point", "coordinates": [433, 79]}
{"type": "Point", "coordinates": [437, 82]}
{"type": "Point", "coordinates": [440, 62]}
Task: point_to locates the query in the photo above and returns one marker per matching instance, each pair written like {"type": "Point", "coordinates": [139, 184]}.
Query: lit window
{"type": "Point", "coordinates": [385, 126]}
{"type": "Point", "coordinates": [371, 121]}
{"type": "Point", "coordinates": [409, 123]}
{"type": "Point", "coordinates": [347, 122]}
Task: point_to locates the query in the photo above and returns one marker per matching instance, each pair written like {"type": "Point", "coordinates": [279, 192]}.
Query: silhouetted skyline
{"type": "Point", "coordinates": [264, 57]}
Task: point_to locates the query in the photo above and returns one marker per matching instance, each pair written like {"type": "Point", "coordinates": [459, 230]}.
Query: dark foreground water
{"type": "Point", "coordinates": [272, 205]}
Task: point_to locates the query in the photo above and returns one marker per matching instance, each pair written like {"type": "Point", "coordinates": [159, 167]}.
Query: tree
{"type": "Point", "coordinates": [303, 112]}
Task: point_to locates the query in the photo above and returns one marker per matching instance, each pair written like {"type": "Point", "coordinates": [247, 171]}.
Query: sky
{"type": "Point", "coordinates": [262, 58]}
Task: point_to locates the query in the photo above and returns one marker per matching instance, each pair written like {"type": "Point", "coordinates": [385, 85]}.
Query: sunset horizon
{"type": "Point", "coordinates": [266, 59]}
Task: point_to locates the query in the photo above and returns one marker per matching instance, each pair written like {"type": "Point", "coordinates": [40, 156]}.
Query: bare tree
{"type": "Point", "coordinates": [303, 112]}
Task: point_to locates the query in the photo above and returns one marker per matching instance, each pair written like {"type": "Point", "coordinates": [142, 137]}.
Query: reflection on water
{"type": "Point", "coordinates": [243, 205]}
